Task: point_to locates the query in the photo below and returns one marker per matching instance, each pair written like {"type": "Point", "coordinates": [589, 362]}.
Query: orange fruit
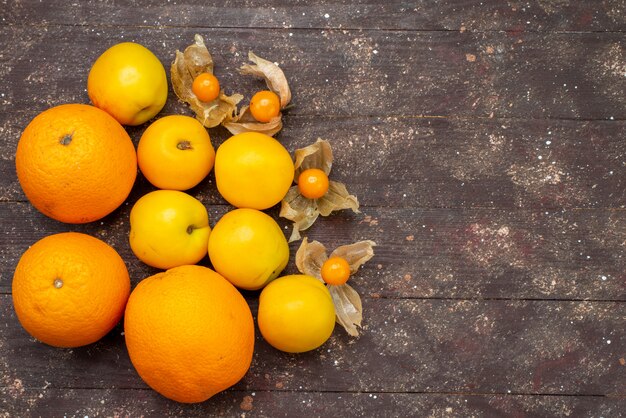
{"type": "Point", "coordinates": [75, 163]}
{"type": "Point", "coordinates": [189, 333]}
{"type": "Point", "coordinates": [70, 289]}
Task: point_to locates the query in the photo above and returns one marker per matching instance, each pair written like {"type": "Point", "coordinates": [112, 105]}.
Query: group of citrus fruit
{"type": "Point", "coordinates": [189, 332]}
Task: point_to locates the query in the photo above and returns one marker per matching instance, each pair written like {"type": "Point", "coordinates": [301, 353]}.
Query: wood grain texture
{"type": "Point", "coordinates": [439, 346]}
{"type": "Point", "coordinates": [452, 163]}
{"type": "Point", "coordinates": [421, 253]}
{"type": "Point", "coordinates": [485, 141]}
{"type": "Point", "coordinates": [351, 73]}
{"type": "Point", "coordinates": [474, 15]}
{"type": "Point", "coordinates": [79, 403]}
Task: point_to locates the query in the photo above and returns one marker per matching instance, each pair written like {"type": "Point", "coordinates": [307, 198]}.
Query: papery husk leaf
{"type": "Point", "coordinates": [198, 58]}
{"type": "Point", "coordinates": [245, 122]}
{"type": "Point", "coordinates": [272, 74]}
{"type": "Point", "coordinates": [318, 155]}
{"type": "Point", "coordinates": [300, 210]}
{"type": "Point", "coordinates": [186, 66]}
{"type": "Point", "coordinates": [355, 254]}
{"type": "Point", "coordinates": [277, 82]}
{"type": "Point", "coordinates": [348, 307]}
{"type": "Point", "coordinates": [337, 198]}
{"type": "Point", "coordinates": [310, 257]}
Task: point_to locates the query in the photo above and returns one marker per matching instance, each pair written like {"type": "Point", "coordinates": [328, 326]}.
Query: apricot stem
{"type": "Point", "coordinates": [184, 145]}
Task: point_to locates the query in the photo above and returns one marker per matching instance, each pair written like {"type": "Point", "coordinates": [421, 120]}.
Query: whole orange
{"type": "Point", "coordinates": [75, 163]}
{"type": "Point", "coordinates": [70, 289]}
{"type": "Point", "coordinates": [189, 333]}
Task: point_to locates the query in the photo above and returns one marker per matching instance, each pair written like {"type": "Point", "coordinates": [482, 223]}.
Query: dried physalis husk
{"type": "Point", "coordinates": [347, 301]}
{"type": "Point", "coordinates": [347, 307]}
{"type": "Point", "coordinates": [272, 74]}
{"type": "Point", "coordinates": [186, 67]}
{"type": "Point", "coordinates": [317, 155]}
{"type": "Point", "coordinates": [277, 82]}
{"type": "Point", "coordinates": [355, 254]}
{"type": "Point", "coordinates": [337, 198]}
{"type": "Point", "coordinates": [303, 211]}
{"type": "Point", "coordinates": [245, 122]}
{"type": "Point", "coordinates": [310, 258]}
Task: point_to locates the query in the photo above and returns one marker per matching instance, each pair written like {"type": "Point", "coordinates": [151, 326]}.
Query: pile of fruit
{"type": "Point", "coordinates": [188, 330]}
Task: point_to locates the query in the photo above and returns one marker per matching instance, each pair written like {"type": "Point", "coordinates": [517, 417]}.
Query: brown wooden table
{"type": "Point", "coordinates": [486, 141]}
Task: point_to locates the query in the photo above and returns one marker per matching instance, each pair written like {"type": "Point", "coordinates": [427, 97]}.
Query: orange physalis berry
{"type": "Point", "coordinates": [313, 183]}
{"type": "Point", "coordinates": [265, 105]}
{"type": "Point", "coordinates": [336, 271]}
{"type": "Point", "coordinates": [206, 87]}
